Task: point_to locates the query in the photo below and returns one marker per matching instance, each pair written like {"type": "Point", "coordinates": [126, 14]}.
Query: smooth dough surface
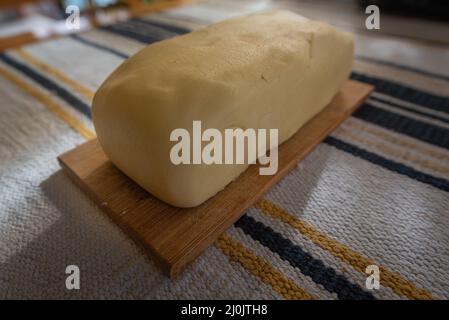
{"type": "Point", "coordinates": [267, 70]}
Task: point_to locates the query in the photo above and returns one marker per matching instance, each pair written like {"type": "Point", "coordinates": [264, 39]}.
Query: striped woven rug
{"type": "Point", "coordinates": [375, 192]}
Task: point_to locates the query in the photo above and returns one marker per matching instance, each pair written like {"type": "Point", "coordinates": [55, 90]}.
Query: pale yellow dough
{"type": "Point", "coordinates": [267, 70]}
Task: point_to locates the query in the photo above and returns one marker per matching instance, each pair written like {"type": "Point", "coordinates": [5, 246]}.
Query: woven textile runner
{"type": "Point", "coordinates": [375, 192]}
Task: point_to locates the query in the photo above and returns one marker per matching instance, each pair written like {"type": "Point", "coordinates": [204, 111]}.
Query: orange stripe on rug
{"type": "Point", "coordinates": [47, 101]}
{"type": "Point", "coordinates": [394, 152]}
{"type": "Point", "coordinates": [85, 91]}
{"type": "Point", "coordinates": [262, 269]}
{"type": "Point", "coordinates": [390, 279]}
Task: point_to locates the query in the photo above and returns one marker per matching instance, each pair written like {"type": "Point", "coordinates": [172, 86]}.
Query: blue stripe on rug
{"type": "Point", "coordinates": [420, 130]}
{"type": "Point", "coordinates": [298, 258]}
{"type": "Point", "coordinates": [391, 165]}
{"type": "Point", "coordinates": [99, 46]}
{"type": "Point", "coordinates": [138, 36]}
{"type": "Point", "coordinates": [404, 67]}
{"type": "Point", "coordinates": [48, 84]}
{"type": "Point", "coordinates": [168, 27]}
{"type": "Point", "coordinates": [405, 93]}
{"type": "Point", "coordinates": [144, 31]}
{"type": "Point", "coordinates": [422, 113]}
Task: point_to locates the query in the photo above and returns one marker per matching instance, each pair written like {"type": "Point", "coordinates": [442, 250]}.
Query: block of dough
{"type": "Point", "coordinates": [267, 70]}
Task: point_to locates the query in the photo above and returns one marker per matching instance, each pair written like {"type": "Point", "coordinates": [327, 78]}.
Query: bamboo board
{"type": "Point", "coordinates": [173, 237]}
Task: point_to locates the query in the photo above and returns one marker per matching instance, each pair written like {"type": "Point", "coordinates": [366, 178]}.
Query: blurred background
{"type": "Point", "coordinates": [24, 21]}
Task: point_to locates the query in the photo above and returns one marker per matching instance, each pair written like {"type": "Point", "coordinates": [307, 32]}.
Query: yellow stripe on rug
{"type": "Point", "coordinates": [390, 279]}
{"type": "Point", "coordinates": [85, 91]}
{"type": "Point", "coordinates": [261, 269]}
{"type": "Point", "coordinates": [397, 138]}
{"type": "Point", "coordinates": [395, 152]}
{"type": "Point", "coordinates": [50, 103]}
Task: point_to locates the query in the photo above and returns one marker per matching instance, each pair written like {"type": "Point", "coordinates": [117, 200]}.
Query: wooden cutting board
{"type": "Point", "coordinates": [173, 237]}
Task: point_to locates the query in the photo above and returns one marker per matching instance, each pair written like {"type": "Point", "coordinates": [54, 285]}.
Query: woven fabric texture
{"type": "Point", "coordinates": [375, 192]}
